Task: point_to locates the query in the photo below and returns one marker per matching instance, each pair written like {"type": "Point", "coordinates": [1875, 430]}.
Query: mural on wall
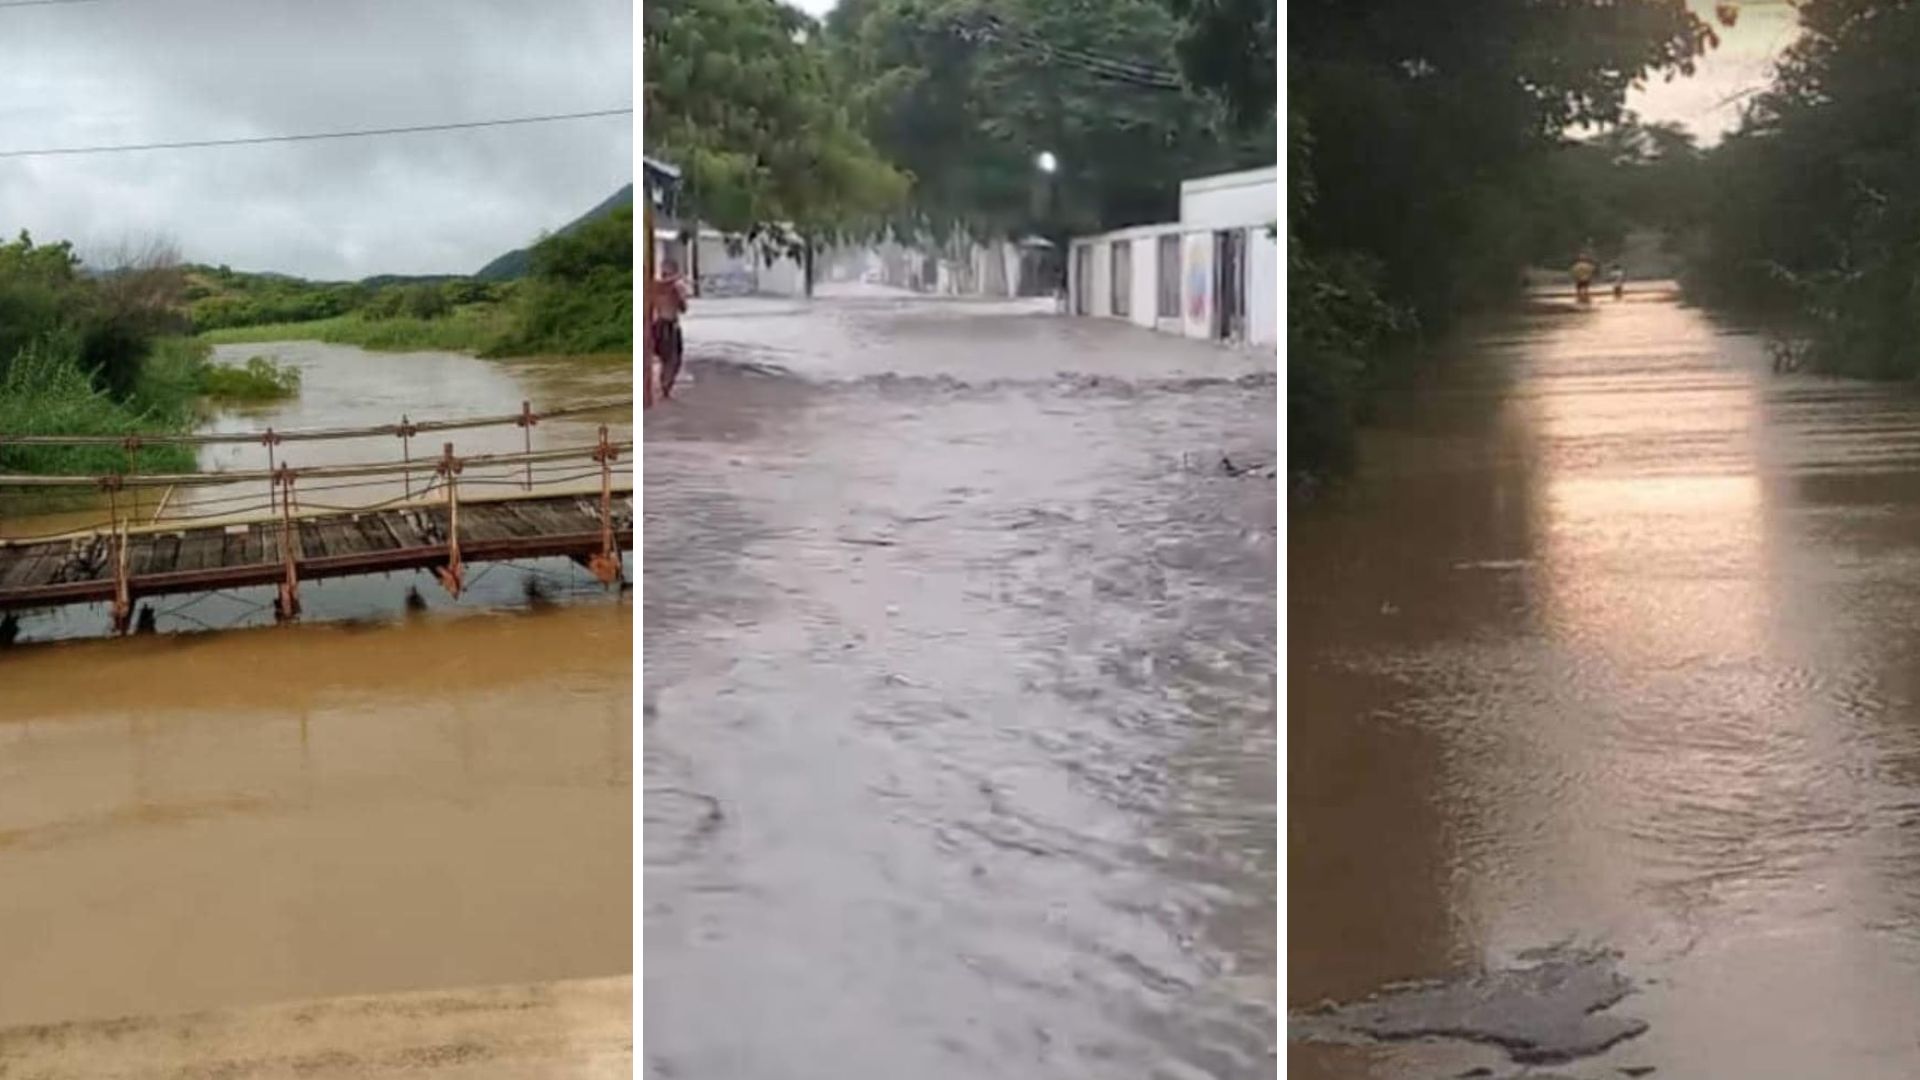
{"type": "Point", "coordinates": [1199, 280]}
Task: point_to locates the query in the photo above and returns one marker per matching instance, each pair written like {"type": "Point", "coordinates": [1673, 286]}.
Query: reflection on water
{"type": "Point", "coordinates": [197, 821]}
{"type": "Point", "coordinates": [1639, 678]}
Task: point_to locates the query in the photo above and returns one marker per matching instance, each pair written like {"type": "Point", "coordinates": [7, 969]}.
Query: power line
{"type": "Point", "coordinates": [68, 151]}
{"type": "Point", "coordinates": [990, 28]}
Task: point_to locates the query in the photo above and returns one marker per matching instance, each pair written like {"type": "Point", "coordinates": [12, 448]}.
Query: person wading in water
{"type": "Point", "coordinates": [669, 302]}
{"type": "Point", "coordinates": [1583, 270]}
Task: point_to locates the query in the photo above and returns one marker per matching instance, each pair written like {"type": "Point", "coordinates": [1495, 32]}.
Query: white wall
{"type": "Point", "coordinates": [1196, 285]}
{"type": "Point", "coordinates": [1230, 200]}
{"type": "Point", "coordinates": [1145, 277]}
{"type": "Point", "coordinates": [1263, 287]}
{"type": "Point", "coordinates": [1100, 299]}
{"type": "Point", "coordinates": [1261, 279]}
{"type": "Point", "coordinates": [744, 273]}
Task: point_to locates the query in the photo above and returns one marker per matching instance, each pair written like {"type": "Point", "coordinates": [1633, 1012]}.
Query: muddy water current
{"type": "Point", "coordinates": [1604, 717]}
{"type": "Point", "coordinates": [960, 700]}
{"type": "Point", "coordinates": [347, 387]}
{"type": "Point", "coordinates": [374, 800]}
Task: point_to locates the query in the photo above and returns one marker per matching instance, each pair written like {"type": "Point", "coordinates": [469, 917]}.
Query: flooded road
{"type": "Point", "coordinates": [1603, 668]}
{"type": "Point", "coordinates": [960, 699]}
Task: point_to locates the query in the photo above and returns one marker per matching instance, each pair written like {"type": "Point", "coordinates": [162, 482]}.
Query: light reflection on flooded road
{"type": "Point", "coordinates": [1610, 645]}
{"type": "Point", "coordinates": [960, 701]}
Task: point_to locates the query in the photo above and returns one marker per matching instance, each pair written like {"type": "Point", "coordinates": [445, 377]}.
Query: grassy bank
{"type": "Point", "coordinates": [46, 392]}
{"type": "Point", "coordinates": [475, 329]}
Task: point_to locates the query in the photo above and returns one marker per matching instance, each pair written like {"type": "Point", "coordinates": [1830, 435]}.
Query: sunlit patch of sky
{"type": "Point", "coordinates": [1708, 103]}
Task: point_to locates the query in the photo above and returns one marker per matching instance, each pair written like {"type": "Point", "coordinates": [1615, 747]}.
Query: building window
{"type": "Point", "coordinates": [1167, 263]}
{"type": "Point", "coordinates": [1122, 277]}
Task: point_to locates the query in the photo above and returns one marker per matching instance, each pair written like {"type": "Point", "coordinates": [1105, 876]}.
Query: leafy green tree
{"type": "Point", "coordinates": [579, 298]}
{"type": "Point", "coordinates": [741, 96]}
{"type": "Point", "coordinates": [40, 291]}
{"type": "Point", "coordinates": [1431, 162]}
{"type": "Point", "coordinates": [1815, 202]}
{"type": "Point", "coordinates": [967, 94]}
{"type": "Point", "coordinates": [1227, 48]}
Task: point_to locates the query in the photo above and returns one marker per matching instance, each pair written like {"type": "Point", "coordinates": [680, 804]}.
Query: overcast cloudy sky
{"type": "Point", "coordinates": [1741, 63]}
{"type": "Point", "coordinates": [134, 71]}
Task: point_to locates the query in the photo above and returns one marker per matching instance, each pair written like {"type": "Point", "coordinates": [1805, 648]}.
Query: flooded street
{"type": "Point", "coordinates": [960, 699]}
{"type": "Point", "coordinates": [1601, 699]}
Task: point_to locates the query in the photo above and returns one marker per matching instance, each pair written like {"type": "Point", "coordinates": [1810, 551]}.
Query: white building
{"type": "Point", "coordinates": [730, 266]}
{"type": "Point", "coordinates": [1212, 275]}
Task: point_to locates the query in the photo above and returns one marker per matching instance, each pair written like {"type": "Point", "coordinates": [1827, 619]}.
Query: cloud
{"type": "Point", "coordinates": [1708, 103]}
{"type": "Point", "coordinates": [132, 71]}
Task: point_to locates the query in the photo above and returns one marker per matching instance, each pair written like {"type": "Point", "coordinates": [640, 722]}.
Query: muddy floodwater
{"type": "Point", "coordinates": [203, 821]}
{"type": "Point", "coordinates": [960, 699]}
{"type": "Point", "coordinates": [372, 801]}
{"type": "Point", "coordinates": [347, 387]}
{"type": "Point", "coordinates": [1603, 717]}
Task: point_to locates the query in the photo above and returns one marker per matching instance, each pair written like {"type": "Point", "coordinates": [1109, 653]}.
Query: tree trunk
{"type": "Point", "coordinates": [806, 265]}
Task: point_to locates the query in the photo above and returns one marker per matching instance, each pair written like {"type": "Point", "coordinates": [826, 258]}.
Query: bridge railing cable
{"type": "Point", "coordinates": [405, 428]}
{"type": "Point", "coordinates": [237, 476]}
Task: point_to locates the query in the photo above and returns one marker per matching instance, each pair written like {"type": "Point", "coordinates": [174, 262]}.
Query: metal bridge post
{"type": "Point", "coordinates": [270, 440]}
{"type": "Point", "coordinates": [122, 588]}
{"type": "Point", "coordinates": [526, 422]}
{"type": "Point", "coordinates": [287, 606]}
{"type": "Point", "coordinates": [606, 564]}
{"type": "Point", "coordinates": [406, 453]}
{"type": "Point", "coordinates": [450, 574]}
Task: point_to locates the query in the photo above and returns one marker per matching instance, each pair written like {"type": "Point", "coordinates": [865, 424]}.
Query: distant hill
{"type": "Point", "coordinates": [381, 281]}
{"type": "Point", "coordinates": [515, 263]}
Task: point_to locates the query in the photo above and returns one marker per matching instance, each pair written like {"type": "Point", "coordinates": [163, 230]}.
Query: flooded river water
{"type": "Point", "coordinates": [369, 801]}
{"type": "Point", "coordinates": [960, 700]}
{"type": "Point", "coordinates": [1604, 669]}
{"type": "Point", "coordinates": [347, 387]}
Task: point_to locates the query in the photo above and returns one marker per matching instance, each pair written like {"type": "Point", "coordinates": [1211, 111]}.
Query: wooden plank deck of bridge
{"type": "Point", "coordinates": [79, 569]}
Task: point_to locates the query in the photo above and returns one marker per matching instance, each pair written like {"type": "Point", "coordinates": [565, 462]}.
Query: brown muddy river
{"type": "Point", "coordinates": [199, 821]}
{"type": "Point", "coordinates": [369, 801]}
{"type": "Point", "coordinates": [347, 387]}
{"type": "Point", "coordinates": [1601, 688]}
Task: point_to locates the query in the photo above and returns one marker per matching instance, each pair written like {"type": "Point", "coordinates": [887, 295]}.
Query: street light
{"type": "Point", "coordinates": [1045, 198]}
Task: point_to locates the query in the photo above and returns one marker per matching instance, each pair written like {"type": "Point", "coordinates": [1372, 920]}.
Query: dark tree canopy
{"type": "Point", "coordinates": [1227, 48]}
{"type": "Point", "coordinates": [966, 94]}
{"type": "Point", "coordinates": [741, 95]}
{"type": "Point", "coordinates": [1815, 201]}
{"type": "Point", "coordinates": [1432, 160]}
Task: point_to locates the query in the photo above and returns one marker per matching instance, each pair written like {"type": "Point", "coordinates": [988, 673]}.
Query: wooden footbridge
{"type": "Point", "coordinates": [286, 524]}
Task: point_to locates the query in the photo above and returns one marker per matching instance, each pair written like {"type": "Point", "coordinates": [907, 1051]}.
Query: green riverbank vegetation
{"type": "Point", "coordinates": [105, 352]}
{"type": "Point", "coordinates": [577, 298]}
